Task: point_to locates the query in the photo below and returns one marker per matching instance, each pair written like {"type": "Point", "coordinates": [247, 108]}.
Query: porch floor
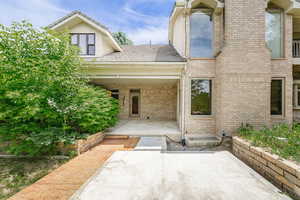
{"type": "Point", "coordinates": [145, 128]}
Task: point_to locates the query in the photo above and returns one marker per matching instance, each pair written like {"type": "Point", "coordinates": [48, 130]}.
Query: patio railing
{"type": "Point", "coordinates": [296, 48]}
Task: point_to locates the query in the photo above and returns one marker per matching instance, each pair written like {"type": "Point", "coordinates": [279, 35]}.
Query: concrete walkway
{"type": "Point", "coordinates": [151, 175]}
{"type": "Point", "coordinates": [67, 179]}
{"type": "Point", "coordinates": [145, 128]}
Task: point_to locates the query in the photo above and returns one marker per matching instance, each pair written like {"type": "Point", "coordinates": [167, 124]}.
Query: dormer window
{"type": "Point", "coordinates": [85, 42]}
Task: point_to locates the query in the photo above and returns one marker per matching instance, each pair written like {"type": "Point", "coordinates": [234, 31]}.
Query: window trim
{"type": "Point", "coordinates": [202, 10]}
{"type": "Point", "coordinates": [115, 92]}
{"type": "Point", "coordinates": [87, 43]}
{"type": "Point", "coordinates": [211, 99]}
{"type": "Point", "coordinates": [282, 28]}
{"type": "Point", "coordinates": [282, 115]}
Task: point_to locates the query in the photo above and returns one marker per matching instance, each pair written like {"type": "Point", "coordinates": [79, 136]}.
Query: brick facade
{"type": "Point", "coordinates": [241, 70]}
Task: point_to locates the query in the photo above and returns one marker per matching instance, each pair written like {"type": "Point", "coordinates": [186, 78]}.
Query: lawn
{"type": "Point", "coordinates": [15, 174]}
{"type": "Point", "coordinates": [282, 139]}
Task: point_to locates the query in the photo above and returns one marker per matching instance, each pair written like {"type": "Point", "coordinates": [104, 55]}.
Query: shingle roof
{"type": "Point", "coordinates": [143, 53]}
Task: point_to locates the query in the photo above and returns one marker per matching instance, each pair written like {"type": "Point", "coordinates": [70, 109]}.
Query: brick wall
{"type": "Point", "coordinates": [282, 173]}
{"type": "Point", "coordinates": [82, 146]}
{"type": "Point", "coordinates": [158, 101]}
{"type": "Point", "coordinates": [243, 69]}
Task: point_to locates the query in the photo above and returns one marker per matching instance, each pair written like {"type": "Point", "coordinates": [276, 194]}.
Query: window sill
{"type": "Point", "coordinates": [202, 117]}
{"type": "Point", "coordinates": [276, 117]}
{"type": "Point", "coordinates": [296, 108]}
{"type": "Point", "coordinates": [278, 59]}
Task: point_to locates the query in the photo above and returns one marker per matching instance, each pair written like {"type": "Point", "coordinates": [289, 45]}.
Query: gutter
{"type": "Point", "coordinates": [134, 63]}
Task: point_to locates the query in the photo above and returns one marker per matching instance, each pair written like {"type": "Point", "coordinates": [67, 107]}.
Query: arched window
{"type": "Point", "coordinates": [274, 32]}
{"type": "Point", "coordinates": [201, 34]}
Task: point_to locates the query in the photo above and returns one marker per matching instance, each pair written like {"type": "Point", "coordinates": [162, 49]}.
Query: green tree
{"type": "Point", "coordinates": [40, 86]}
{"type": "Point", "coordinates": [122, 38]}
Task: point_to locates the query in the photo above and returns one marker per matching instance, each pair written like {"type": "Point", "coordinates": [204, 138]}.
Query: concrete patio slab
{"type": "Point", "coordinates": [177, 176]}
{"type": "Point", "coordinates": [145, 128]}
{"type": "Point", "coordinates": [150, 144]}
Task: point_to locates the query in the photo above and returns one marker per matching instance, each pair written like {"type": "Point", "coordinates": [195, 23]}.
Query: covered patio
{"type": "Point", "coordinates": [146, 128]}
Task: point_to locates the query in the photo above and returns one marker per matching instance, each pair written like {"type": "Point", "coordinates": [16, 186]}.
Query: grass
{"type": "Point", "coordinates": [282, 139]}
{"type": "Point", "coordinates": [17, 173]}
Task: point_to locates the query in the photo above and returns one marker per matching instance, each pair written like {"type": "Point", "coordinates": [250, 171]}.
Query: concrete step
{"type": "Point", "coordinates": [151, 144]}
{"type": "Point", "coordinates": [116, 136]}
{"type": "Point", "coordinates": [202, 140]}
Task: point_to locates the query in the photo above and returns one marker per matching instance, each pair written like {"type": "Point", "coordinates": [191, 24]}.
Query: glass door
{"type": "Point", "coordinates": [135, 103]}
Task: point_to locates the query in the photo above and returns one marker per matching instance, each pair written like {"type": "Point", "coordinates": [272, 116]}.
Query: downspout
{"type": "Point", "coordinates": [183, 77]}
{"type": "Point", "coordinates": [183, 106]}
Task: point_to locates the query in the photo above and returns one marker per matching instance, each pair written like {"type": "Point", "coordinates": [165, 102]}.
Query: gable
{"type": "Point", "coordinates": [77, 21]}
{"type": "Point", "coordinates": [103, 44]}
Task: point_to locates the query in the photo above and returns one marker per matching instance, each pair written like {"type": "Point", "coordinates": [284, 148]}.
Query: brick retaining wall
{"type": "Point", "coordinates": [282, 173]}
{"type": "Point", "coordinates": [82, 146]}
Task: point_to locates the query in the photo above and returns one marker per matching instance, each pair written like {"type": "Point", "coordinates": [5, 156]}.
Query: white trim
{"type": "Point", "coordinates": [89, 22]}
{"type": "Point", "coordinates": [135, 63]}
{"type": "Point", "coordinates": [131, 77]}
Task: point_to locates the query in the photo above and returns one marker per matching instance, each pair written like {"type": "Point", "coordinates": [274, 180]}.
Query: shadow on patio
{"type": "Point", "coordinates": [145, 128]}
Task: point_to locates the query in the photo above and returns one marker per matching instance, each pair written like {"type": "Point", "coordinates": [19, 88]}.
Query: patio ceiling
{"type": "Point", "coordinates": [107, 82]}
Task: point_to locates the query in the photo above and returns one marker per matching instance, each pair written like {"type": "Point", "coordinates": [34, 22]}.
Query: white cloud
{"type": "Point", "coordinates": [157, 35]}
{"type": "Point", "coordinates": [155, 28]}
{"type": "Point", "coordinates": [38, 12]}
{"type": "Point", "coordinates": [140, 27]}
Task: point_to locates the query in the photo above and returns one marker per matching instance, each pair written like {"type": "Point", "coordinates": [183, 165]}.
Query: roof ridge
{"type": "Point", "coordinates": [74, 12]}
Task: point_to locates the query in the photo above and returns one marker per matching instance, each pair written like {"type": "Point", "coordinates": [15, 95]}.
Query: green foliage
{"type": "Point", "coordinates": [122, 38]}
{"type": "Point", "coordinates": [97, 111]}
{"type": "Point", "coordinates": [41, 92]}
{"type": "Point", "coordinates": [282, 139]}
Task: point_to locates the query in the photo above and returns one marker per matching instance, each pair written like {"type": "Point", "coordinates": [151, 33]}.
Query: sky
{"type": "Point", "coordinates": [141, 20]}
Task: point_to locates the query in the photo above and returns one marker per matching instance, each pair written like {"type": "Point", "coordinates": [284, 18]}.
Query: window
{"type": "Point", "coordinates": [201, 97]}
{"type": "Point", "coordinates": [277, 97]}
{"type": "Point", "coordinates": [85, 41]}
{"type": "Point", "coordinates": [274, 33]}
{"type": "Point", "coordinates": [115, 94]}
{"type": "Point", "coordinates": [201, 34]}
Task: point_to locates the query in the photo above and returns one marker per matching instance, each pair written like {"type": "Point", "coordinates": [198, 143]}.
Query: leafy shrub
{"type": "Point", "coordinates": [282, 139]}
{"type": "Point", "coordinates": [96, 112]}
{"type": "Point", "coordinates": [41, 93]}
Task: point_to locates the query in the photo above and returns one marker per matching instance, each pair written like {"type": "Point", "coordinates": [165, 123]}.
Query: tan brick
{"type": "Point", "coordinates": [297, 191]}
{"type": "Point", "coordinates": [287, 166]}
{"type": "Point", "coordinates": [261, 160]}
{"type": "Point", "coordinates": [293, 179]}
{"type": "Point", "coordinates": [273, 179]}
{"type": "Point", "coordinates": [275, 168]}
{"type": "Point", "coordinates": [241, 143]}
{"type": "Point", "coordinates": [285, 181]}
{"type": "Point", "coordinates": [257, 150]}
{"type": "Point", "coordinates": [270, 157]}
{"type": "Point", "coordinates": [270, 171]}
{"type": "Point", "coordinates": [250, 154]}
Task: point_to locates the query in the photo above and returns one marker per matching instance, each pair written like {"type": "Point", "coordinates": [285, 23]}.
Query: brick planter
{"type": "Point", "coordinates": [82, 146]}
{"type": "Point", "coordinates": [282, 173]}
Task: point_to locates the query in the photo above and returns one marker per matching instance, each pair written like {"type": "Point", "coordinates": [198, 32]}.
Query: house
{"type": "Point", "coordinates": [227, 62]}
